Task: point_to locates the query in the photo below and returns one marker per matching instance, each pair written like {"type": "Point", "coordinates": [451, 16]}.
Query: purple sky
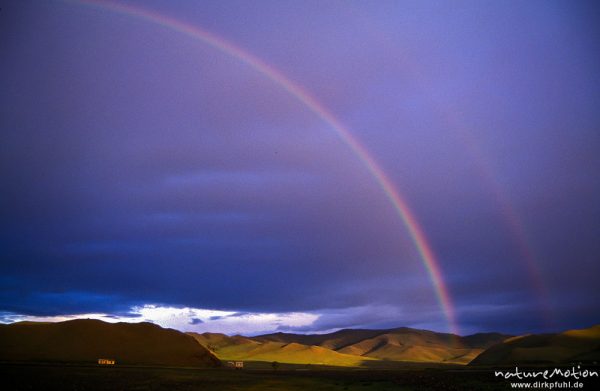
{"type": "Point", "coordinates": [143, 169]}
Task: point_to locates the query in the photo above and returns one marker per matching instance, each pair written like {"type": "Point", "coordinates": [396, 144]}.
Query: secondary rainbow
{"type": "Point", "coordinates": [401, 207]}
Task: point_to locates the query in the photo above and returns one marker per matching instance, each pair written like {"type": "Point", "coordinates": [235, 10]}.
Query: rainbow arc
{"type": "Point", "coordinates": [302, 95]}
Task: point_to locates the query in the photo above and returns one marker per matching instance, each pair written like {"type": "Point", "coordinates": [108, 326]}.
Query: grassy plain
{"type": "Point", "coordinates": [287, 378]}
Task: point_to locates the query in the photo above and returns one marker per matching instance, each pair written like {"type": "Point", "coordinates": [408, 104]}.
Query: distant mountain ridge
{"type": "Point", "coordinates": [351, 347]}
{"type": "Point", "coordinates": [345, 337]}
{"type": "Point", "coordinates": [87, 340]}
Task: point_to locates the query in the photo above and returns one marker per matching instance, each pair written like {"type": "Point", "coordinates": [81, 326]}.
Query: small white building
{"type": "Point", "coordinates": [235, 364]}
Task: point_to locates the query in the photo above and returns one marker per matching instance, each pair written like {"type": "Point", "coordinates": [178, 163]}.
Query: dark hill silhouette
{"type": "Point", "coordinates": [87, 340]}
{"type": "Point", "coordinates": [570, 346]}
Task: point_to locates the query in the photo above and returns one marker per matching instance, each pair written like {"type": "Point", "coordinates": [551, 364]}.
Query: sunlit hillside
{"type": "Point", "coordinates": [570, 346]}
{"type": "Point", "coordinates": [352, 347]}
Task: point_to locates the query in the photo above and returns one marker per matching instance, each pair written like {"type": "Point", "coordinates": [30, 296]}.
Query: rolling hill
{"type": "Point", "coordinates": [242, 348]}
{"type": "Point", "coordinates": [569, 346]}
{"type": "Point", "coordinates": [352, 347]}
{"type": "Point", "coordinates": [400, 344]}
{"type": "Point", "coordinates": [86, 340]}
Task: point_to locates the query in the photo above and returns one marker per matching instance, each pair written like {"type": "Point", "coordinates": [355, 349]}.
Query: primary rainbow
{"type": "Point", "coordinates": [458, 125]}
{"type": "Point", "coordinates": [401, 207]}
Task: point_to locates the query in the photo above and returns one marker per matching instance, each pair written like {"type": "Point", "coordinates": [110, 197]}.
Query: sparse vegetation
{"type": "Point", "coordinates": [86, 341]}
{"type": "Point", "coordinates": [66, 378]}
{"type": "Point", "coordinates": [568, 347]}
{"type": "Point", "coordinates": [352, 348]}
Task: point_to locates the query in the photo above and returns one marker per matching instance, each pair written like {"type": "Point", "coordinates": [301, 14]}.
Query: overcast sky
{"type": "Point", "coordinates": [147, 175]}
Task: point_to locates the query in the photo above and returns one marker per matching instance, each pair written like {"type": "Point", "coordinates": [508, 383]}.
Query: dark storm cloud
{"type": "Point", "coordinates": [196, 321]}
{"type": "Point", "coordinates": [43, 303]}
{"type": "Point", "coordinates": [140, 166]}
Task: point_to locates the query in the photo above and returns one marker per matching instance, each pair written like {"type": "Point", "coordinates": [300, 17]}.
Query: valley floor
{"type": "Point", "coordinates": [88, 377]}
